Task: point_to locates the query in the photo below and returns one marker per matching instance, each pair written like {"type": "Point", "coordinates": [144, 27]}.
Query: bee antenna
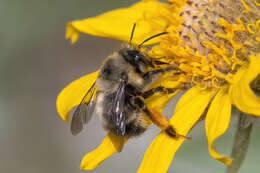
{"type": "Point", "coordinates": [157, 35]}
{"type": "Point", "coordinates": [132, 33]}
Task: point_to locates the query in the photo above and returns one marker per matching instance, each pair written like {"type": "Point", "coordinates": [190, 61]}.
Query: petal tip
{"type": "Point", "coordinates": [86, 163]}
{"type": "Point", "coordinates": [226, 160]}
{"type": "Point", "coordinates": [83, 165]}
{"type": "Point", "coordinates": [63, 116]}
{"type": "Point", "coordinates": [71, 33]}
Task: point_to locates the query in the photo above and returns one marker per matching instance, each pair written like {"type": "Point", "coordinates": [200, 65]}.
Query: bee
{"type": "Point", "coordinates": [119, 92]}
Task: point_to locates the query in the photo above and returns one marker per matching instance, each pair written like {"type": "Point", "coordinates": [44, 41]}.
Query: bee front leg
{"type": "Point", "coordinates": [148, 75]}
{"type": "Point", "coordinates": [159, 89]}
{"type": "Point", "coordinates": [159, 119]}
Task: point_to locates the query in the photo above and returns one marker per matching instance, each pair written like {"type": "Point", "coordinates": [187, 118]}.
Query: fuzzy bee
{"type": "Point", "coordinates": [119, 92]}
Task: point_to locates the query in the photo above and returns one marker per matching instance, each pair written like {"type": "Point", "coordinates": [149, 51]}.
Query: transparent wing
{"type": "Point", "coordinates": [118, 109]}
{"type": "Point", "coordinates": [84, 111]}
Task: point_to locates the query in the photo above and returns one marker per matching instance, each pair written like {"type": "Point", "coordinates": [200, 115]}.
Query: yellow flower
{"type": "Point", "coordinates": [216, 46]}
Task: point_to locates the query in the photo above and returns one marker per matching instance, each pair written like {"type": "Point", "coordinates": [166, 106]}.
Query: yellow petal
{"type": "Point", "coordinates": [217, 121]}
{"type": "Point", "coordinates": [72, 94]}
{"type": "Point", "coordinates": [240, 92]}
{"type": "Point", "coordinates": [160, 153]}
{"type": "Point", "coordinates": [118, 23]}
{"type": "Point", "coordinates": [111, 144]}
{"type": "Point", "coordinates": [159, 101]}
{"type": "Point", "coordinates": [254, 68]}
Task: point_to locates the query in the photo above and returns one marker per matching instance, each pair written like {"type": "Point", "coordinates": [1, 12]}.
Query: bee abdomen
{"type": "Point", "coordinates": [135, 129]}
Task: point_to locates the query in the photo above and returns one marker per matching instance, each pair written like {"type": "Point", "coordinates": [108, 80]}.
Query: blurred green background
{"type": "Point", "coordinates": [37, 62]}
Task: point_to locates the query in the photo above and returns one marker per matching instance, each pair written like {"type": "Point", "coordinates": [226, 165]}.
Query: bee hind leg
{"type": "Point", "coordinates": [159, 119]}
{"type": "Point", "coordinates": [172, 133]}
{"type": "Point", "coordinates": [163, 123]}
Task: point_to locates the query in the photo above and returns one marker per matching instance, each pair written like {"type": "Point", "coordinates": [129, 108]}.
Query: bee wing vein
{"type": "Point", "coordinates": [118, 109]}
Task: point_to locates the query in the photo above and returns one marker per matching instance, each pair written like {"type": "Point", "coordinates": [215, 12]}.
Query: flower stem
{"type": "Point", "coordinates": [241, 142]}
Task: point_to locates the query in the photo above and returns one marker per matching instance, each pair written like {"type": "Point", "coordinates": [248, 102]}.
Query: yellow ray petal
{"type": "Point", "coordinates": [241, 94]}
{"type": "Point", "coordinates": [217, 121]}
{"type": "Point", "coordinates": [159, 101]}
{"type": "Point", "coordinates": [160, 153]}
{"type": "Point", "coordinates": [118, 23]}
{"type": "Point", "coordinates": [72, 94]}
{"type": "Point", "coordinates": [111, 144]}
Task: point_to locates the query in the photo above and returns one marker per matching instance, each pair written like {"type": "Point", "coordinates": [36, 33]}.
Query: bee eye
{"type": "Point", "coordinates": [134, 54]}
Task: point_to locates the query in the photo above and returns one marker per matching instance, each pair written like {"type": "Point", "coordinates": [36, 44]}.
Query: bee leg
{"type": "Point", "coordinates": [163, 123]}
{"type": "Point", "coordinates": [157, 62]}
{"type": "Point", "coordinates": [159, 119]}
{"type": "Point", "coordinates": [159, 89]}
{"type": "Point", "coordinates": [150, 74]}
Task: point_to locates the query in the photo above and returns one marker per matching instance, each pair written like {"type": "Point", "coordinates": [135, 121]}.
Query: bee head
{"type": "Point", "coordinates": [140, 61]}
{"type": "Point", "coordinates": [134, 56]}
{"type": "Point", "coordinates": [138, 57]}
